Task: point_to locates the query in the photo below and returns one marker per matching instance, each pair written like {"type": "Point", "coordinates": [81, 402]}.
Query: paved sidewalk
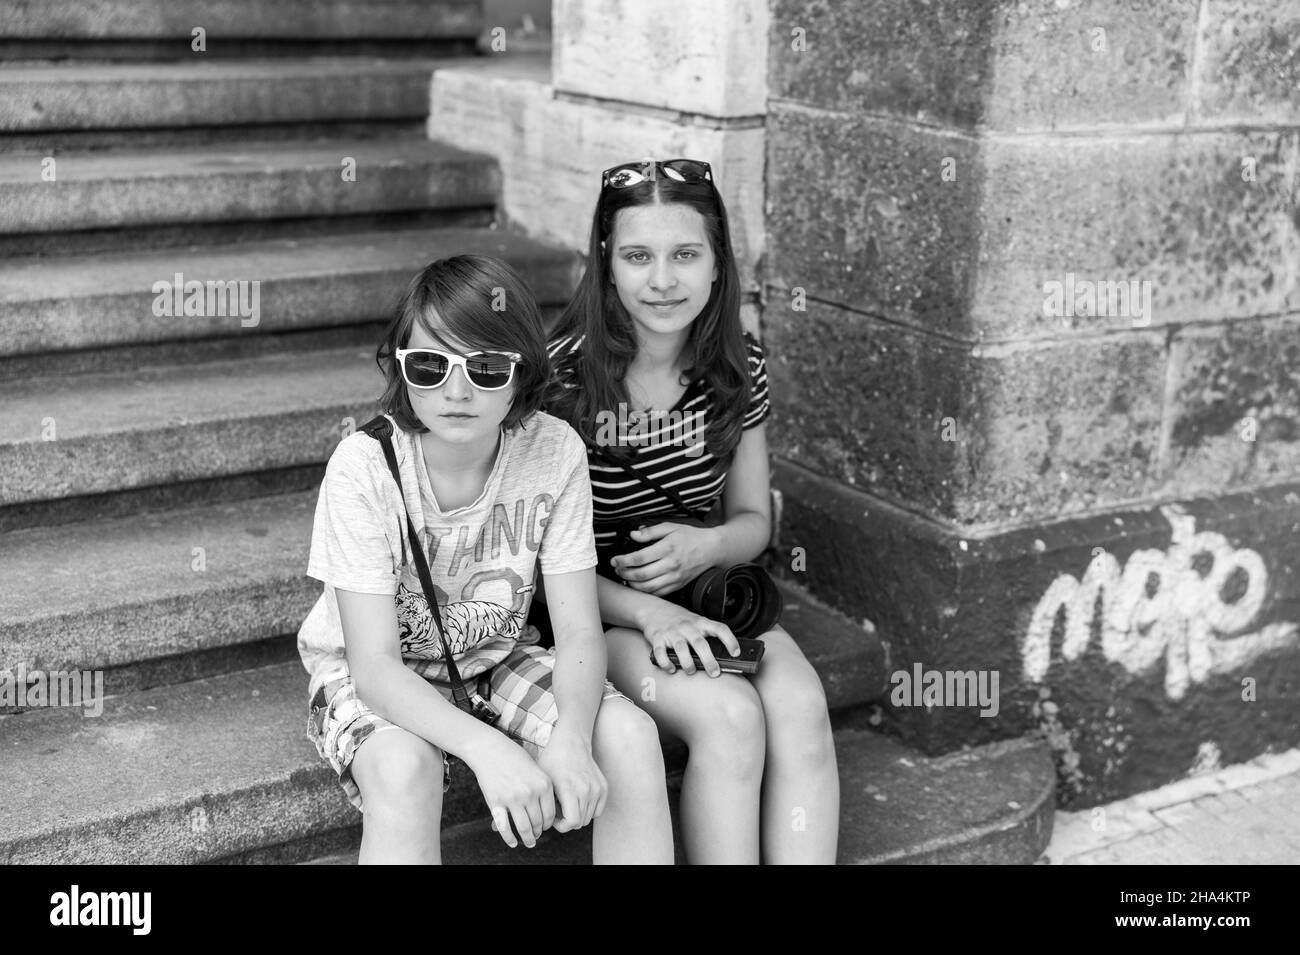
{"type": "Point", "coordinates": [1246, 814]}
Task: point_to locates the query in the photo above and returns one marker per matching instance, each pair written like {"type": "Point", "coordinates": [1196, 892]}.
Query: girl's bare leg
{"type": "Point", "coordinates": [721, 720]}
{"type": "Point", "coordinates": [801, 787]}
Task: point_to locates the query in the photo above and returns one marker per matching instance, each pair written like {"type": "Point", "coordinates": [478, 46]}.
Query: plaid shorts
{"type": "Point", "coordinates": [520, 690]}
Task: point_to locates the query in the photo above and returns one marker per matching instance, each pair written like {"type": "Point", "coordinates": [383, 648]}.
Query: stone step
{"type": "Point", "coordinates": [287, 19]}
{"type": "Point", "coordinates": [96, 434]}
{"type": "Point", "coordinates": [56, 100]}
{"type": "Point", "coordinates": [114, 593]}
{"type": "Point", "coordinates": [222, 489]}
{"type": "Point", "coordinates": [62, 142]}
{"type": "Point", "coordinates": [105, 301]}
{"type": "Point", "coordinates": [254, 181]}
{"type": "Point", "coordinates": [993, 805]}
{"type": "Point", "coordinates": [148, 29]}
{"type": "Point", "coordinates": [219, 577]}
{"type": "Point", "coordinates": [186, 773]}
{"type": "Point", "coordinates": [221, 768]}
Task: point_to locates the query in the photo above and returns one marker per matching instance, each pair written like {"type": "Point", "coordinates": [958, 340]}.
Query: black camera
{"type": "Point", "coordinates": [743, 596]}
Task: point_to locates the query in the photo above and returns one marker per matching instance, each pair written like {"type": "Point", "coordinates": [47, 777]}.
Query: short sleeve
{"type": "Point", "coordinates": [569, 543]}
{"type": "Point", "coordinates": [350, 548]}
{"type": "Point", "coordinates": [760, 406]}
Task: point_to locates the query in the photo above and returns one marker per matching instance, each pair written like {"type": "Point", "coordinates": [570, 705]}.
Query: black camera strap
{"type": "Point", "coordinates": [666, 492]}
{"type": "Point", "coordinates": [381, 429]}
{"type": "Point", "coordinates": [715, 610]}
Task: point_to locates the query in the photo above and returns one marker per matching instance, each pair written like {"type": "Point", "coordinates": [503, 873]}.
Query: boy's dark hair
{"type": "Point", "coordinates": [481, 302]}
{"type": "Point", "coordinates": [715, 348]}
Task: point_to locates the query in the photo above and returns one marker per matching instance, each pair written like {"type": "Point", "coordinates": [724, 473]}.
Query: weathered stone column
{"type": "Point", "coordinates": [1005, 461]}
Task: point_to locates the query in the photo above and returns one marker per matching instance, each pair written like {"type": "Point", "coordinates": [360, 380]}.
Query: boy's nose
{"type": "Point", "coordinates": [458, 387]}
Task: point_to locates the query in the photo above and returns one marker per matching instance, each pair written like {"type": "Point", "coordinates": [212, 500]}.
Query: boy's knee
{"type": "Point", "coordinates": [402, 774]}
{"type": "Point", "coordinates": [628, 738]}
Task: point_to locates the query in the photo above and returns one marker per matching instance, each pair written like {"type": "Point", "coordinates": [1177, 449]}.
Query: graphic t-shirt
{"type": "Point", "coordinates": [535, 509]}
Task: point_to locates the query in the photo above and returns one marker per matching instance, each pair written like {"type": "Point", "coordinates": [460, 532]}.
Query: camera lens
{"type": "Point", "coordinates": [756, 600]}
{"type": "Point", "coordinates": [739, 602]}
{"type": "Point", "coordinates": [742, 596]}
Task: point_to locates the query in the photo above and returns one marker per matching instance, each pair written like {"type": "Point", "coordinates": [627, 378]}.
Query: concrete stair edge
{"type": "Point", "coordinates": [232, 19]}
{"type": "Point", "coordinates": [152, 426]}
{"type": "Point", "coordinates": [81, 96]}
{"type": "Point", "coordinates": [288, 794]}
{"type": "Point", "coordinates": [107, 299]}
{"type": "Point", "coordinates": [1017, 831]}
{"type": "Point", "coordinates": [240, 182]}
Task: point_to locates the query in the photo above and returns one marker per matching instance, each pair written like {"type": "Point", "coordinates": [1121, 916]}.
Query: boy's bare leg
{"type": "Point", "coordinates": [801, 787]}
{"type": "Point", "coordinates": [400, 778]}
{"type": "Point", "coordinates": [636, 827]}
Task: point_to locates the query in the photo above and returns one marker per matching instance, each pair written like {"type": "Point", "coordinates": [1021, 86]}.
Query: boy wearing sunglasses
{"type": "Point", "coordinates": [497, 491]}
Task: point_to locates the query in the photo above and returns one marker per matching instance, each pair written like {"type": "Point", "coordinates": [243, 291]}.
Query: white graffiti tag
{"type": "Point", "coordinates": [1169, 605]}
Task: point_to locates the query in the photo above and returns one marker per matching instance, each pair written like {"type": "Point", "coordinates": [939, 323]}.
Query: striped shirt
{"type": "Point", "coordinates": [668, 447]}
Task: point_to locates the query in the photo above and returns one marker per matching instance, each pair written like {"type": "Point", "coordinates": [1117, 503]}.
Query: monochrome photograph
{"type": "Point", "coordinates": [583, 432]}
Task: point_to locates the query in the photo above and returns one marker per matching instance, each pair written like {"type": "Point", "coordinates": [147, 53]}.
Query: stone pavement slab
{"type": "Point", "coordinates": [1247, 814]}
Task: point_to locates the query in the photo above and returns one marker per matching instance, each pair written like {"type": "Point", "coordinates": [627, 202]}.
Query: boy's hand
{"type": "Point", "coordinates": [515, 789]}
{"type": "Point", "coordinates": [580, 786]}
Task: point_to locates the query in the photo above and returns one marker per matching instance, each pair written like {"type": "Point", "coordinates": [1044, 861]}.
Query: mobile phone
{"type": "Point", "coordinates": [751, 652]}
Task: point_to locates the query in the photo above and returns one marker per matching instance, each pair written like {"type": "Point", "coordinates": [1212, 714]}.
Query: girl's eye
{"type": "Point", "coordinates": [640, 257]}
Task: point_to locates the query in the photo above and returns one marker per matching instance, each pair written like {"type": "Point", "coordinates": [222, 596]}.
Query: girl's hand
{"type": "Point", "coordinates": [672, 626]}
{"type": "Point", "coordinates": [515, 789]}
{"type": "Point", "coordinates": [580, 786]}
{"type": "Point", "coordinates": [676, 555]}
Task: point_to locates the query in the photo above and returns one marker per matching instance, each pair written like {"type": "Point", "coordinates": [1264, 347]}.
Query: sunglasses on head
{"type": "Point", "coordinates": [430, 368]}
{"type": "Point", "coordinates": [629, 174]}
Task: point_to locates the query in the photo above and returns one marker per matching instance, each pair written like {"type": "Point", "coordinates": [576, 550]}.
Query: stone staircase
{"type": "Point", "coordinates": [158, 473]}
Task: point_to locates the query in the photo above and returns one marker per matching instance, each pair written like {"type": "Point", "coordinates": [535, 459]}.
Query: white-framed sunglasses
{"type": "Point", "coordinates": [426, 368]}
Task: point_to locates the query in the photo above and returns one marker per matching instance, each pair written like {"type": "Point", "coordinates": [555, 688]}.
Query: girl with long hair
{"type": "Point", "coordinates": [652, 344]}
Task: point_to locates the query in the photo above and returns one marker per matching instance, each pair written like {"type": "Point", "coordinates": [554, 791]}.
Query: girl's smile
{"type": "Point", "coordinates": [662, 266]}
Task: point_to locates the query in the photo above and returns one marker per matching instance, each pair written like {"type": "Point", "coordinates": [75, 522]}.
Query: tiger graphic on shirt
{"type": "Point", "coordinates": [467, 624]}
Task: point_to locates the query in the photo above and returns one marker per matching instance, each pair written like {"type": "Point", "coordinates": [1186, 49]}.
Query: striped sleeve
{"type": "Point", "coordinates": [760, 406]}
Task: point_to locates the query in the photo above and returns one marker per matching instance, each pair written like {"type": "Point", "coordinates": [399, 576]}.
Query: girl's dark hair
{"type": "Point", "coordinates": [715, 347]}
{"type": "Point", "coordinates": [482, 303]}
